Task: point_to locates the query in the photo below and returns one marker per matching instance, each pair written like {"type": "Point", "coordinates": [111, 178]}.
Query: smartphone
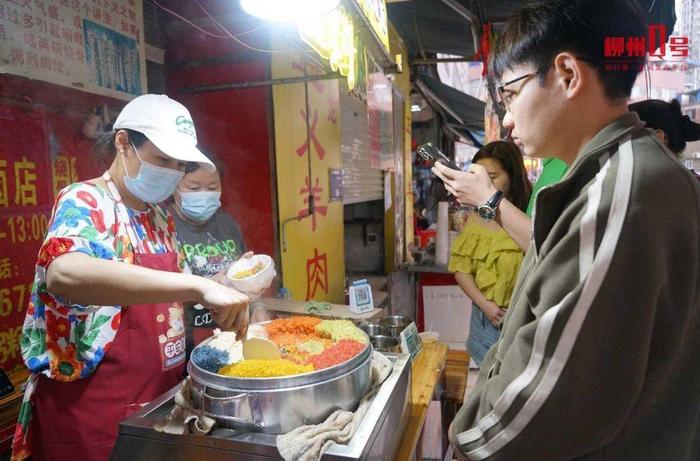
{"type": "Point", "coordinates": [432, 154]}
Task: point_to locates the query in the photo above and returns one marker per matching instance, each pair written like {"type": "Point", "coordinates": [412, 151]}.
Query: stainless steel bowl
{"type": "Point", "coordinates": [395, 323]}
{"type": "Point", "coordinates": [385, 343]}
{"type": "Point", "coordinates": [278, 405]}
{"type": "Point", "coordinates": [373, 329]}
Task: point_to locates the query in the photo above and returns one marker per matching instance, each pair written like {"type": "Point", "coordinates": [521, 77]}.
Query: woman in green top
{"type": "Point", "coordinates": [484, 257]}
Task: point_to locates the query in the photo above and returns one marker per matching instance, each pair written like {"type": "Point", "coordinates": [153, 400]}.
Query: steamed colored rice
{"type": "Point", "coordinates": [255, 368]}
{"type": "Point", "coordinates": [341, 329]}
{"type": "Point", "coordinates": [293, 325]}
{"type": "Point", "coordinates": [343, 350]}
{"type": "Point", "coordinates": [314, 346]}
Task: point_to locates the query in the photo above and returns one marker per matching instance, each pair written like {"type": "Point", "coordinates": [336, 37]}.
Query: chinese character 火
{"type": "Point", "coordinates": [301, 150]}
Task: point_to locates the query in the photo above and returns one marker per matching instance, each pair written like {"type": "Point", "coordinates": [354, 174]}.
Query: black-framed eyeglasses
{"type": "Point", "coordinates": [505, 99]}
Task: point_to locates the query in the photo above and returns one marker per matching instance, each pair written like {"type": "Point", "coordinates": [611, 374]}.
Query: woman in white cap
{"type": "Point", "coordinates": [104, 331]}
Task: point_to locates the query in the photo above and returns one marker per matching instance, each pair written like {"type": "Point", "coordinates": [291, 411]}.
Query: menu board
{"type": "Point", "coordinates": [91, 45]}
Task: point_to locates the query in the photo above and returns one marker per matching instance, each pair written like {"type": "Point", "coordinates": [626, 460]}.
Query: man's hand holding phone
{"type": "Point", "coordinates": [472, 187]}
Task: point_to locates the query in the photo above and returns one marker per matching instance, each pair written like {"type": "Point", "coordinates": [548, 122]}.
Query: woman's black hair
{"type": "Point", "coordinates": [194, 166]}
{"type": "Point", "coordinates": [508, 155]}
{"type": "Point", "coordinates": [667, 117]}
{"type": "Point", "coordinates": [104, 150]}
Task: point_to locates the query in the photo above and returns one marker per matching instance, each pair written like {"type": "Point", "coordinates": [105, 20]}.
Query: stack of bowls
{"type": "Point", "coordinates": [385, 336]}
{"type": "Point", "coordinates": [395, 324]}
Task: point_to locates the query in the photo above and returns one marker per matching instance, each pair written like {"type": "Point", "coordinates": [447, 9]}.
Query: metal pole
{"type": "Point", "coordinates": [469, 16]}
{"type": "Point", "coordinates": [259, 83]}
{"type": "Point", "coordinates": [438, 60]}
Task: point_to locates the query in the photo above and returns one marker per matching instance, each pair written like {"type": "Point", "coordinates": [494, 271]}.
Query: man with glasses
{"type": "Point", "coordinates": [598, 353]}
{"type": "Point", "coordinates": [474, 188]}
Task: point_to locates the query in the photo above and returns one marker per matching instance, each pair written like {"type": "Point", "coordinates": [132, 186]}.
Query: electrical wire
{"type": "Point", "coordinates": [184, 19]}
{"type": "Point", "coordinates": [228, 35]}
{"type": "Point", "coordinates": [235, 37]}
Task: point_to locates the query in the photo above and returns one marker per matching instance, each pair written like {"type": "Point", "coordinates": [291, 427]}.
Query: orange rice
{"type": "Point", "coordinates": [294, 325]}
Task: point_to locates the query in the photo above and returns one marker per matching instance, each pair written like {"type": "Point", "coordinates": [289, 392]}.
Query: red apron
{"type": "Point", "coordinates": [79, 419]}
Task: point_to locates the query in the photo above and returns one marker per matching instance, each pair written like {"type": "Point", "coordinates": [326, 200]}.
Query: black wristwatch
{"type": "Point", "coordinates": [487, 211]}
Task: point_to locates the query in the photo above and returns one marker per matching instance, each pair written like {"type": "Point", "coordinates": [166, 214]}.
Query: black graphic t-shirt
{"type": "Point", "coordinates": [207, 249]}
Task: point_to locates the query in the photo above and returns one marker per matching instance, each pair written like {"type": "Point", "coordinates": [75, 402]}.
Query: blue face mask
{"type": "Point", "coordinates": [152, 184]}
{"type": "Point", "coordinates": [200, 206]}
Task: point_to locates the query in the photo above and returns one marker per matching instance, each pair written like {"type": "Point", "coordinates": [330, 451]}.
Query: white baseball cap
{"type": "Point", "coordinates": [167, 124]}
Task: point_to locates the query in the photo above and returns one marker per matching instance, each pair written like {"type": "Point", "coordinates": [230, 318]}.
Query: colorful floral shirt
{"type": "Point", "coordinates": [67, 341]}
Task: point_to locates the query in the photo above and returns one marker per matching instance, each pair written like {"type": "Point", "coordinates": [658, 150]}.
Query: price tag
{"type": "Point", "coordinates": [410, 341]}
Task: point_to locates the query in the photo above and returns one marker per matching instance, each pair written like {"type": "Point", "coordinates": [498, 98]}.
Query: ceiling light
{"type": "Point", "coordinates": [415, 108]}
{"type": "Point", "coordinates": [287, 10]}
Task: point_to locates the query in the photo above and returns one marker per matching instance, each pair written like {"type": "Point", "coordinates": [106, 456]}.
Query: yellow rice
{"type": "Point", "coordinates": [255, 368]}
{"type": "Point", "coordinates": [341, 329]}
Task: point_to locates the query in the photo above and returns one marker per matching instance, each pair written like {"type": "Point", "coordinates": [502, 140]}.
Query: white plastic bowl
{"type": "Point", "coordinates": [429, 336]}
{"type": "Point", "coordinates": [256, 283]}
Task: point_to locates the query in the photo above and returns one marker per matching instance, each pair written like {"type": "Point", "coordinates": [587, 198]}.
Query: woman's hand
{"type": "Point", "coordinates": [229, 308]}
{"type": "Point", "coordinates": [472, 188]}
{"type": "Point", "coordinates": [494, 313]}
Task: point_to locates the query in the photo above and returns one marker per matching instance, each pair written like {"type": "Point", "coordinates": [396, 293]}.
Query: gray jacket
{"type": "Point", "coordinates": [599, 356]}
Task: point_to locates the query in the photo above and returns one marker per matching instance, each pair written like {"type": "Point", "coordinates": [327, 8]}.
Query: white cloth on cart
{"type": "Point", "coordinates": [308, 443]}
{"type": "Point", "coordinates": [184, 417]}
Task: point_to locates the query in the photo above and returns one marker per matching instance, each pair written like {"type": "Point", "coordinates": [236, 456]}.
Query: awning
{"type": "Point", "coordinates": [464, 113]}
{"type": "Point", "coordinates": [452, 26]}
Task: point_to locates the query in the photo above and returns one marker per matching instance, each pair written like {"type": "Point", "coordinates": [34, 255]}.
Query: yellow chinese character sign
{"type": "Point", "coordinates": [25, 182]}
{"type": "Point", "coordinates": [332, 37]}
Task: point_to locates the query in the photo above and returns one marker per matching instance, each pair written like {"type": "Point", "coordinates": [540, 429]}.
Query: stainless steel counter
{"type": "Point", "coordinates": [377, 438]}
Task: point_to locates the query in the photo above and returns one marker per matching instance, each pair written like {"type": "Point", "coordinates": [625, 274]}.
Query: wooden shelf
{"type": "Point", "coordinates": [9, 407]}
{"type": "Point", "coordinates": [425, 374]}
{"type": "Point", "coordinates": [456, 369]}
